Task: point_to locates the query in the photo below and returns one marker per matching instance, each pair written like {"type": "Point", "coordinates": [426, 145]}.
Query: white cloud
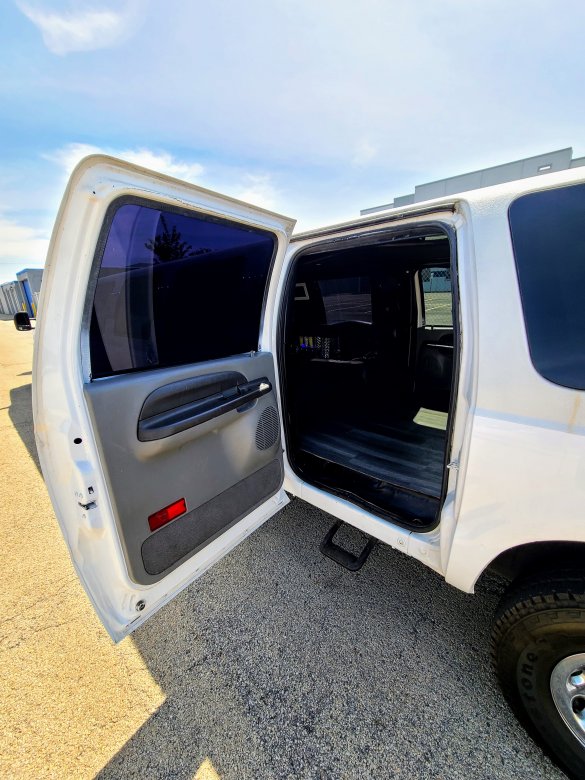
{"type": "Point", "coordinates": [163, 162]}
{"type": "Point", "coordinates": [21, 243]}
{"type": "Point", "coordinates": [365, 152]}
{"type": "Point", "coordinates": [82, 28]}
{"type": "Point", "coordinates": [254, 188]}
{"type": "Point", "coordinates": [24, 245]}
{"type": "Point", "coordinates": [258, 190]}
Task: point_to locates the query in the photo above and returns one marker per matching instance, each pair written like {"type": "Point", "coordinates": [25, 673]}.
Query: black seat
{"type": "Point", "coordinates": [434, 372]}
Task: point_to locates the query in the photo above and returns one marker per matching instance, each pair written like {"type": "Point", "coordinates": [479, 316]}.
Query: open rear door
{"type": "Point", "coordinates": [155, 406]}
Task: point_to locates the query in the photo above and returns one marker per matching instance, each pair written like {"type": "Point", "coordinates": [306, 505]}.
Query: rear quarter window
{"type": "Point", "coordinates": [548, 237]}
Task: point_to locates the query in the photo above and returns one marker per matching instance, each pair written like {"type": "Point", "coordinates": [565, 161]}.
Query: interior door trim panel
{"type": "Point", "coordinates": [181, 405]}
{"type": "Point", "coordinates": [208, 464]}
{"type": "Point", "coordinates": [192, 532]}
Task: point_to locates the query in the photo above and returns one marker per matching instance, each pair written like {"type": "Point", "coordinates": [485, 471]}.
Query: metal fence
{"type": "Point", "coordinates": [436, 279]}
{"type": "Point", "coordinates": [438, 301]}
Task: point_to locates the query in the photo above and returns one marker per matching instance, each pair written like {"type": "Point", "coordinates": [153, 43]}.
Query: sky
{"type": "Point", "coordinates": [312, 108]}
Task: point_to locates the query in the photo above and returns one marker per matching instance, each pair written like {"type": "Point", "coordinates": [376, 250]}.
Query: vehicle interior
{"type": "Point", "coordinates": [368, 365]}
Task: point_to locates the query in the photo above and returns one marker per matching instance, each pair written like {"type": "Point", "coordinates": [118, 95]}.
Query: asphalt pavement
{"type": "Point", "coordinates": [275, 664]}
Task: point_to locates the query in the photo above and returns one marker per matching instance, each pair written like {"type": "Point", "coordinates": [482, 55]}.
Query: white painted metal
{"type": "Point", "coordinates": [525, 470]}
{"type": "Point", "coordinates": [518, 440]}
{"type": "Point", "coordinates": [425, 547]}
{"type": "Point", "coordinates": [60, 412]}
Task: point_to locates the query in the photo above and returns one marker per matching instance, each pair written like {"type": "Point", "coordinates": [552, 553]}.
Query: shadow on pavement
{"type": "Point", "coordinates": [280, 664]}
{"type": "Point", "coordinates": [20, 413]}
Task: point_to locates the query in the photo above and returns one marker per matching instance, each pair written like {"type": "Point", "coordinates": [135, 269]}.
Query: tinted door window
{"type": "Point", "coordinates": [176, 287]}
{"type": "Point", "coordinates": [548, 234]}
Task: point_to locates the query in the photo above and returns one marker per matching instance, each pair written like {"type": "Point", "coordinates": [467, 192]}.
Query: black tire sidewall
{"type": "Point", "coordinates": [526, 655]}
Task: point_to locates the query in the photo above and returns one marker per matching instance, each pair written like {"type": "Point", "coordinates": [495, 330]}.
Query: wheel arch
{"type": "Point", "coordinates": [525, 559]}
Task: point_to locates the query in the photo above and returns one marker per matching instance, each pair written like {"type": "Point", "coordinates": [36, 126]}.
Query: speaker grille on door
{"type": "Point", "coordinates": [268, 429]}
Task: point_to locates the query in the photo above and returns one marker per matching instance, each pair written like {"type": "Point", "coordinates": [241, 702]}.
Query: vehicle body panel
{"type": "Point", "coordinates": [517, 464]}
{"type": "Point", "coordinates": [525, 473]}
{"type": "Point", "coordinates": [66, 441]}
{"type": "Point", "coordinates": [518, 446]}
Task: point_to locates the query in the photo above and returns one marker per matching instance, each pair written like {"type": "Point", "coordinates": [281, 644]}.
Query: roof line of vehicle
{"type": "Point", "coordinates": [383, 218]}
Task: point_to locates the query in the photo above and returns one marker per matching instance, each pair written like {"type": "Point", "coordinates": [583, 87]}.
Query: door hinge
{"type": "Point", "coordinates": [454, 465]}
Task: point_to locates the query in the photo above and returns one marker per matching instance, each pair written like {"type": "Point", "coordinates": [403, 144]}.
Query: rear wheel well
{"type": "Point", "coordinates": [519, 562]}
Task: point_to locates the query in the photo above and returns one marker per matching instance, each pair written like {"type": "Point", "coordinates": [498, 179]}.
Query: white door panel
{"type": "Point", "coordinates": [105, 483]}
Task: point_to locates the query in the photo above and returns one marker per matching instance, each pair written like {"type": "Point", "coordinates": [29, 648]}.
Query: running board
{"type": "Point", "coordinates": [341, 556]}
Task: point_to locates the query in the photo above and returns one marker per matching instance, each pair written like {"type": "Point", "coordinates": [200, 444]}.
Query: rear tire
{"type": "Point", "coordinates": [538, 637]}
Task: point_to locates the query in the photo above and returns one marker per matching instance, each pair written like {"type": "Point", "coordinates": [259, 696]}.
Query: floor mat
{"type": "Point", "coordinates": [404, 453]}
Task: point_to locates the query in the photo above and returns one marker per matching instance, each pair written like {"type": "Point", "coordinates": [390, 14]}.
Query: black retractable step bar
{"type": "Point", "coordinates": [342, 556]}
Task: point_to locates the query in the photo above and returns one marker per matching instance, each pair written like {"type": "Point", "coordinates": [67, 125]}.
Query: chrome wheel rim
{"type": "Point", "coordinates": [567, 686]}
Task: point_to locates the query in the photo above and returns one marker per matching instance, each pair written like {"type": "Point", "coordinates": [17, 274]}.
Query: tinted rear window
{"type": "Point", "coordinates": [176, 288]}
{"type": "Point", "coordinates": [347, 300]}
{"type": "Point", "coordinates": [548, 234]}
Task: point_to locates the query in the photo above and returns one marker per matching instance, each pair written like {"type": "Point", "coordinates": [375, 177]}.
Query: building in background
{"type": "Point", "coordinates": [11, 298]}
{"type": "Point", "coordinates": [560, 160]}
{"type": "Point", "coordinates": [30, 280]}
{"type": "Point", "coordinates": [23, 293]}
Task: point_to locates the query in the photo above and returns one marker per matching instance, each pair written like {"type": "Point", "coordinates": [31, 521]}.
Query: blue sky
{"type": "Point", "coordinates": [314, 109]}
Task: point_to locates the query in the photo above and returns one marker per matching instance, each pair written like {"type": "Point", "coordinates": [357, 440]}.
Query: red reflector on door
{"type": "Point", "coordinates": [164, 516]}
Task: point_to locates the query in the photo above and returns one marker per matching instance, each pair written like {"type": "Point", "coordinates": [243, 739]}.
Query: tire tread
{"type": "Point", "coordinates": [536, 594]}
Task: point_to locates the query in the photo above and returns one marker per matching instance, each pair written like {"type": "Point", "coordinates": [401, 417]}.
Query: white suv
{"type": "Point", "coordinates": [418, 375]}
